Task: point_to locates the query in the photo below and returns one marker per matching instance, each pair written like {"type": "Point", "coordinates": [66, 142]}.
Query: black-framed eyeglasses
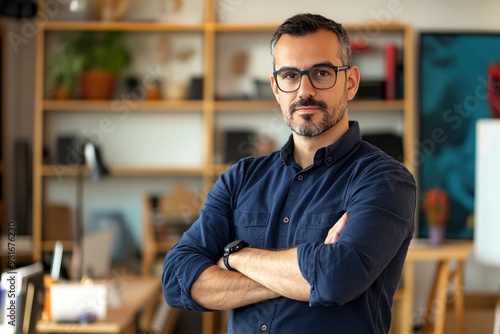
{"type": "Point", "coordinates": [320, 77]}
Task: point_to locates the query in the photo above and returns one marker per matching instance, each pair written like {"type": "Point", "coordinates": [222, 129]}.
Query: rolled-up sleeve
{"type": "Point", "coordinates": [380, 207]}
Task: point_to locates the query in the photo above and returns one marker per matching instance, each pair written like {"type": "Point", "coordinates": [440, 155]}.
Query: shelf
{"type": "Point", "coordinates": [233, 27]}
{"type": "Point", "coordinates": [48, 246]}
{"type": "Point", "coordinates": [369, 28]}
{"type": "Point", "coordinates": [186, 105]}
{"type": "Point", "coordinates": [374, 28]}
{"type": "Point", "coordinates": [220, 168]}
{"type": "Point", "coordinates": [122, 105]}
{"type": "Point", "coordinates": [120, 26]}
{"type": "Point", "coordinates": [266, 105]}
{"type": "Point", "coordinates": [376, 105]}
{"type": "Point", "coordinates": [246, 105]}
{"type": "Point", "coordinates": [62, 170]}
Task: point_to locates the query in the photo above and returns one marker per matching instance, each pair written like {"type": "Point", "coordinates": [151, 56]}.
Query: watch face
{"type": "Point", "coordinates": [235, 246]}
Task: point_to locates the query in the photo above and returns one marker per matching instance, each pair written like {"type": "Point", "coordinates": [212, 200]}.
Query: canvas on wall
{"type": "Point", "coordinates": [454, 91]}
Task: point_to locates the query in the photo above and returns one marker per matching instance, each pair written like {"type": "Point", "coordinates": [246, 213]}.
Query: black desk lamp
{"type": "Point", "coordinates": [93, 161]}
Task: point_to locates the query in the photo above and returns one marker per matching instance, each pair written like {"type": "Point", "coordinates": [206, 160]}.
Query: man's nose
{"type": "Point", "coordinates": [306, 88]}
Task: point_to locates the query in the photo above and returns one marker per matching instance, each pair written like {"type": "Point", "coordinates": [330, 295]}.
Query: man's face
{"type": "Point", "coordinates": [309, 111]}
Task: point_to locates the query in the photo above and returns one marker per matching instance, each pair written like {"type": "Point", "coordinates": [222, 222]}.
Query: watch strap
{"type": "Point", "coordinates": [226, 262]}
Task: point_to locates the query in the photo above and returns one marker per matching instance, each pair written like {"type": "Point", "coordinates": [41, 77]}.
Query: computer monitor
{"type": "Point", "coordinates": [25, 290]}
{"type": "Point", "coordinates": [30, 301]}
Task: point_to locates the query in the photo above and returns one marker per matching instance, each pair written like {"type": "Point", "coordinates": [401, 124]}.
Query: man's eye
{"type": "Point", "coordinates": [323, 73]}
{"type": "Point", "coordinates": [289, 75]}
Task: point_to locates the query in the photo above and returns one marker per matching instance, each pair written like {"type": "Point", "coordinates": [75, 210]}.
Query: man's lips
{"type": "Point", "coordinates": [307, 110]}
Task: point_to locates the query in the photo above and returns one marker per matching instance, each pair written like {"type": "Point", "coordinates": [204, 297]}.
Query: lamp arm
{"type": "Point", "coordinates": [78, 226]}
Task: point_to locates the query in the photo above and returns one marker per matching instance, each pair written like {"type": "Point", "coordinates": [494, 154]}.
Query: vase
{"type": "Point", "coordinates": [61, 93]}
{"type": "Point", "coordinates": [98, 85]}
{"type": "Point", "coordinates": [436, 235]}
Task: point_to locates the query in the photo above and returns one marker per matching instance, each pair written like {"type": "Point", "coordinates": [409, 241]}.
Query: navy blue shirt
{"type": "Point", "coordinates": [272, 203]}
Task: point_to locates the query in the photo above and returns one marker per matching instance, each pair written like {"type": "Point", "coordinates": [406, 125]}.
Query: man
{"type": "Point", "coordinates": [317, 232]}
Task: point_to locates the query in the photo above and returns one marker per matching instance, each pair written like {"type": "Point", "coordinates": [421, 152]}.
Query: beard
{"type": "Point", "coordinates": [306, 126]}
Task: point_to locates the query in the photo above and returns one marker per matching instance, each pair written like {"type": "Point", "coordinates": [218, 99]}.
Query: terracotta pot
{"type": "Point", "coordinates": [153, 94]}
{"type": "Point", "coordinates": [61, 93]}
{"type": "Point", "coordinates": [98, 85]}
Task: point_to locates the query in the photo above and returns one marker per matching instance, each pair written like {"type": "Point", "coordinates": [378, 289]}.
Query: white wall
{"type": "Point", "coordinates": [422, 15]}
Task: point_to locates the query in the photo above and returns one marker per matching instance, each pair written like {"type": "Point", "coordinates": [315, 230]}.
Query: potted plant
{"type": "Point", "coordinates": [436, 207]}
{"type": "Point", "coordinates": [62, 74]}
{"type": "Point", "coordinates": [153, 90]}
{"type": "Point", "coordinates": [103, 57]}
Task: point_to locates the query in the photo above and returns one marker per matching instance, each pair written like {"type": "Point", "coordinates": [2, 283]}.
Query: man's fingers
{"type": "Point", "coordinates": [334, 232]}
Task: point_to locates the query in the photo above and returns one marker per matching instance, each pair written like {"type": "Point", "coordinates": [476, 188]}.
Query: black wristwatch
{"type": "Point", "coordinates": [233, 247]}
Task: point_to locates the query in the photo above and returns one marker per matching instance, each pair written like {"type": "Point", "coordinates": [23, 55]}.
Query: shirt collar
{"type": "Point", "coordinates": [331, 153]}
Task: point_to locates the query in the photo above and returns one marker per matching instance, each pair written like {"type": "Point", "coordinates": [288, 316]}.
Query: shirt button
{"type": "Point", "coordinates": [286, 220]}
{"type": "Point", "coordinates": [329, 159]}
{"type": "Point", "coordinates": [300, 177]}
{"type": "Point", "coordinates": [263, 328]}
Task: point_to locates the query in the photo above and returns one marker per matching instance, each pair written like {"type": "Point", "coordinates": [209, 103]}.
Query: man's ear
{"type": "Point", "coordinates": [275, 88]}
{"type": "Point", "coordinates": [353, 78]}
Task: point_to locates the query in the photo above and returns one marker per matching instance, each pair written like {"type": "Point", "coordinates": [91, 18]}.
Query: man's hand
{"type": "Point", "coordinates": [334, 232]}
{"type": "Point", "coordinates": [221, 264]}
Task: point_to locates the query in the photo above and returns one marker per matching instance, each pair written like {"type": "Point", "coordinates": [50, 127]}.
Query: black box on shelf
{"type": "Point", "coordinates": [371, 90]}
{"type": "Point", "coordinates": [389, 143]}
{"type": "Point", "coordinates": [195, 89]}
{"type": "Point", "coordinates": [238, 145]}
{"type": "Point", "coordinates": [67, 151]}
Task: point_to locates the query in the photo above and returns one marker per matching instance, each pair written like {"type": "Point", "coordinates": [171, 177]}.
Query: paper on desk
{"type": "Point", "coordinates": [70, 300]}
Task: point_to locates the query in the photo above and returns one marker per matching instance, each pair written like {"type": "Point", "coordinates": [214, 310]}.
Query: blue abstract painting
{"type": "Point", "coordinates": [453, 95]}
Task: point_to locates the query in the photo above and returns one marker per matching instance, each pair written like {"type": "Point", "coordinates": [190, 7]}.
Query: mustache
{"type": "Point", "coordinates": [309, 102]}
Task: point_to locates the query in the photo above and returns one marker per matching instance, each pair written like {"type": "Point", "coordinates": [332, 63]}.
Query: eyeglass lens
{"type": "Point", "coordinates": [289, 80]}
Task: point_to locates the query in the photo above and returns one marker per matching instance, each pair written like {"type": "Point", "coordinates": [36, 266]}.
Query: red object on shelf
{"type": "Point", "coordinates": [391, 53]}
{"type": "Point", "coordinates": [359, 46]}
{"type": "Point", "coordinates": [494, 89]}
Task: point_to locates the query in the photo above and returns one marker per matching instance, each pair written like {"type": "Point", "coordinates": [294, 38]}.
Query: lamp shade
{"type": "Point", "coordinates": [487, 192]}
{"type": "Point", "coordinates": [93, 160]}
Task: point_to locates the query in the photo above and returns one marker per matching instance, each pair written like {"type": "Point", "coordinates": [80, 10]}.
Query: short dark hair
{"type": "Point", "coordinates": [302, 24]}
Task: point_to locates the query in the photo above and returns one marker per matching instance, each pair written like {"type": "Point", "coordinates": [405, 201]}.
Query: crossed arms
{"type": "Point", "coordinates": [261, 275]}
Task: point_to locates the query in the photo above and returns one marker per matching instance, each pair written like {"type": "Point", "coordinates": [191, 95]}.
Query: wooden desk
{"type": "Point", "coordinates": [450, 251]}
{"type": "Point", "coordinates": [136, 294]}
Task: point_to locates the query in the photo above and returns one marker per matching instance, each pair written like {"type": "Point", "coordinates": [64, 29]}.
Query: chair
{"type": "Point", "coordinates": [165, 217]}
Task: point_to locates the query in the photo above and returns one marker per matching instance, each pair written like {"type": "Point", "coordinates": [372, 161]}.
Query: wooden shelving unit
{"type": "Point", "coordinates": [209, 108]}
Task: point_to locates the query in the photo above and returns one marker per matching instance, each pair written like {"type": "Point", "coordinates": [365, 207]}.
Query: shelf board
{"type": "Point", "coordinates": [376, 105]}
{"type": "Point", "coordinates": [62, 170]}
{"type": "Point", "coordinates": [132, 26]}
{"type": "Point", "coordinates": [246, 105]}
{"type": "Point", "coordinates": [238, 27]}
{"type": "Point", "coordinates": [220, 168]}
{"type": "Point", "coordinates": [122, 105]}
{"type": "Point", "coordinates": [369, 28]}
{"type": "Point", "coordinates": [266, 105]}
{"type": "Point", "coordinates": [373, 28]}
{"type": "Point", "coordinates": [151, 26]}
{"type": "Point", "coordinates": [48, 246]}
